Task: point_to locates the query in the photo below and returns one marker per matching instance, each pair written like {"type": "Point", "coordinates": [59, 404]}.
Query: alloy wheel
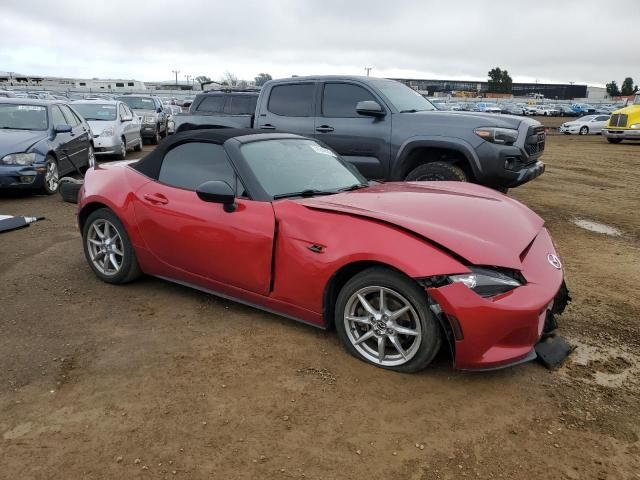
{"type": "Point", "coordinates": [105, 247]}
{"type": "Point", "coordinates": [382, 326]}
{"type": "Point", "coordinates": [123, 150]}
{"type": "Point", "coordinates": [91, 162]}
{"type": "Point", "coordinates": [51, 176]}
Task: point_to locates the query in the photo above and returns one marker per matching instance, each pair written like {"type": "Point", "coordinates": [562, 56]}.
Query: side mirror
{"type": "Point", "coordinates": [127, 118]}
{"type": "Point", "coordinates": [160, 110]}
{"type": "Point", "coordinates": [63, 128]}
{"type": "Point", "coordinates": [218, 192]}
{"type": "Point", "coordinates": [370, 108]}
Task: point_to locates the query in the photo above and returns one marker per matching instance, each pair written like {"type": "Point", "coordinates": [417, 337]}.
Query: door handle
{"type": "Point", "coordinates": [156, 198]}
{"type": "Point", "coordinates": [267, 126]}
{"type": "Point", "coordinates": [324, 129]}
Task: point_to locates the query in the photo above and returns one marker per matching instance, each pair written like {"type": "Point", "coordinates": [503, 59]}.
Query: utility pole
{"type": "Point", "coordinates": [368, 69]}
{"type": "Point", "coordinates": [187, 77]}
{"type": "Point", "coordinates": [176, 72]}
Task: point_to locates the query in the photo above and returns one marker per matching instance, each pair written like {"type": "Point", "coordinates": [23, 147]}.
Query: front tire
{"type": "Point", "coordinates": [155, 140]}
{"type": "Point", "coordinates": [51, 176]}
{"type": "Point", "coordinates": [436, 171]}
{"type": "Point", "coordinates": [382, 317]}
{"type": "Point", "coordinates": [138, 147]}
{"type": "Point", "coordinates": [584, 131]}
{"type": "Point", "coordinates": [108, 249]}
{"type": "Point", "coordinates": [122, 154]}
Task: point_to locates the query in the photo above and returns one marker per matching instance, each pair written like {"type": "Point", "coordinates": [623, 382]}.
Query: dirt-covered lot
{"type": "Point", "coordinates": [153, 380]}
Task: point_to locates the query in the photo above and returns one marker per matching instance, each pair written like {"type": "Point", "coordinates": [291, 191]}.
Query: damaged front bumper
{"type": "Point", "coordinates": [502, 331]}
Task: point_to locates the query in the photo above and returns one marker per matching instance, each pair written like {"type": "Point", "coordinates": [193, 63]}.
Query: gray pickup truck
{"type": "Point", "coordinates": [387, 130]}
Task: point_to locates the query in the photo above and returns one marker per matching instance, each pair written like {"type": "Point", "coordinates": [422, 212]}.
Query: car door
{"type": "Point", "coordinates": [599, 122]}
{"type": "Point", "coordinates": [201, 238]}
{"type": "Point", "coordinates": [134, 125]}
{"type": "Point", "coordinates": [78, 149]}
{"type": "Point", "coordinates": [364, 141]}
{"type": "Point", "coordinates": [62, 141]}
{"type": "Point", "coordinates": [288, 107]}
{"type": "Point", "coordinates": [126, 125]}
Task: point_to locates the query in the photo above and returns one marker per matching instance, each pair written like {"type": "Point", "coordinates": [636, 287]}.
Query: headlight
{"type": "Point", "coordinates": [505, 136]}
{"type": "Point", "coordinates": [486, 282]}
{"type": "Point", "coordinates": [149, 120]}
{"type": "Point", "coordinates": [635, 126]}
{"type": "Point", "coordinates": [19, 158]}
{"type": "Point", "coordinates": [107, 132]}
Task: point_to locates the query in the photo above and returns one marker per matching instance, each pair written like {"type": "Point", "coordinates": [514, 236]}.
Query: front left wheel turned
{"type": "Point", "coordinates": [382, 317]}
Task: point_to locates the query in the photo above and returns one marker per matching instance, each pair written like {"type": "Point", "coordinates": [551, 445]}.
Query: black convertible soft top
{"type": "Point", "coordinates": [150, 165]}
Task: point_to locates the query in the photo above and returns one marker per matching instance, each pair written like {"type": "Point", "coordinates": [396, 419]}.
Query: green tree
{"type": "Point", "coordinates": [262, 78]}
{"type": "Point", "coordinates": [500, 81]}
{"type": "Point", "coordinates": [612, 89]}
{"type": "Point", "coordinates": [627, 87]}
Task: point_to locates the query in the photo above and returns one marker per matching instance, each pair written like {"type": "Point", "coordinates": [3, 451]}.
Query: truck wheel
{"type": "Point", "coordinates": [614, 140]}
{"type": "Point", "coordinates": [436, 171]}
{"type": "Point", "coordinates": [584, 131]}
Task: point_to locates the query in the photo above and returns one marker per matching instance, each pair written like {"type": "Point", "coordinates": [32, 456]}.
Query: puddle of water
{"type": "Point", "coordinates": [597, 227]}
{"type": "Point", "coordinates": [585, 354]}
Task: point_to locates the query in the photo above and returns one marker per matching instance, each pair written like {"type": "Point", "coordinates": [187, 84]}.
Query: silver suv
{"type": "Point", "coordinates": [149, 110]}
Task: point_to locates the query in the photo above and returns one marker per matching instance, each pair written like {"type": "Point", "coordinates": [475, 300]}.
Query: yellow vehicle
{"type": "Point", "coordinates": [624, 124]}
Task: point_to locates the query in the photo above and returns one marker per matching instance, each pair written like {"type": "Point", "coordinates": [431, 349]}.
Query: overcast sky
{"type": "Point", "coordinates": [580, 41]}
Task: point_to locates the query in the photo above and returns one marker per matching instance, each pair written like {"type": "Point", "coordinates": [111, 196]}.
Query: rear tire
{"type": "Point", "coordinates": [422, 338]}
{"type": "Point", "coordinates": [104, 236]}
{"type": "Point", "coordinates": [614, 140]}
{"type": "Point", "coordinates": [436, 171]}
{"type": "Point", "coordinates": [138, 147]}
{"type": "Point", "coordinates": [584, 131]}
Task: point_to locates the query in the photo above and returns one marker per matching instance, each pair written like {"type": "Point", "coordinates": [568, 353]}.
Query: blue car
{"type": "Point", "coordinates": [41, 141]}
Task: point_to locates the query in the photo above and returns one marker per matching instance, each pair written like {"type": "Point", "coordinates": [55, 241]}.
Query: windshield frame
{"type": "Point", "coordinates": [383, 86]}
{"type": "Point", "coordinates": [252, 183]}
{"type": "Point", "coordinates": [82, 104]}
{"type": "Point", "coordinates": [46, 113]}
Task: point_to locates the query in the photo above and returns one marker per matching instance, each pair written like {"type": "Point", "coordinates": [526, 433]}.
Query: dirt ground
{"type": "Point", "coordinates": [153, 380]}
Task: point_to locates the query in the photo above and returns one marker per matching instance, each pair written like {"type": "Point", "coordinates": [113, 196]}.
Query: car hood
{"type": "Point", "coordinates": [18, 141]}
{"type": "Point", "coordinates": [97, 126]}
{"type": "Point", "coordinates": [480, 225]}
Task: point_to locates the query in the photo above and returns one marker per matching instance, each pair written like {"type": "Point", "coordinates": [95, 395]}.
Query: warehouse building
{"type": "Point", "coordinates": [439, 88]}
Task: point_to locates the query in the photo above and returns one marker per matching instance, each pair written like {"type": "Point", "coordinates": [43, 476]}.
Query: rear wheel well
{"type": "Point", "coordinates": [421, 155]}
{"type": "Point", "coordinates": [88, 210]}
{"type": "Point", "coordinates": [339, 279]}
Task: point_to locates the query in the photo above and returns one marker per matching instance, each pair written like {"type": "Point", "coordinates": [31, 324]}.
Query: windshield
{"type": "Point", "coordinates": [139, 103]}
{"type": "Point", "coordinates": [96, 111]}
{"type": "Point", "coordinates": [402, 97]}
{"type": "Point", "coordinates": [289, 166]}
{"type": "Point", "coordinates": [23, 117]}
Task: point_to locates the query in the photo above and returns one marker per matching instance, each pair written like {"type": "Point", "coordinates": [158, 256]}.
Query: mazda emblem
{"type": "Point", "coordinates": [554, 261]}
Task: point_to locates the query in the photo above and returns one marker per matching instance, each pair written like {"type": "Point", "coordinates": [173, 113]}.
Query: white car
{"type": "Point", "coordinates": [585, 125]}
{"type": "Point", "coordinates": [547, 111]}
{"type": "Point", "coordinates": [114, 126]}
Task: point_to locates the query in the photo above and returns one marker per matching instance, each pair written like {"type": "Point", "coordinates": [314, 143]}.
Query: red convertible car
{"type": "Point", "coordinates": [280, 222]}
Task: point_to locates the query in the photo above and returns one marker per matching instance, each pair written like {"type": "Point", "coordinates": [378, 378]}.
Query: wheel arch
{"type": "Point", "coordinates": [416, 152]}
{"type": "Point", "coordinates": [87, 210]}
{"type": "Point", "coordinates": [338, 280]}
{"type": "Point", "coordinates": [348, 271]}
